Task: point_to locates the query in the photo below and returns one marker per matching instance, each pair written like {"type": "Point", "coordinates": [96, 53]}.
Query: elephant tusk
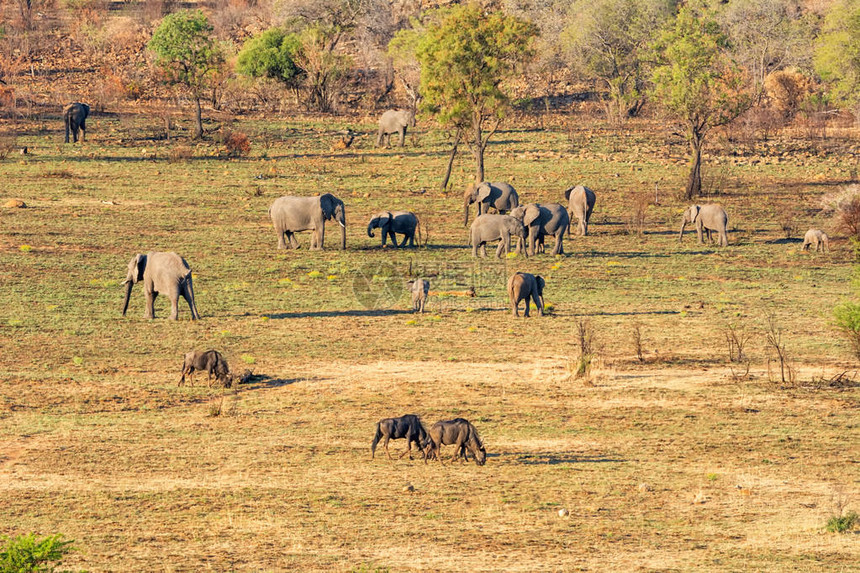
{"type": "Point", "coordinates": [342, 225]}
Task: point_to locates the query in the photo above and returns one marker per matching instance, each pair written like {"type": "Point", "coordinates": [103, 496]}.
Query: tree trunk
{"type": "Point", "coordinates": [447, 177]}
{"type": "Point", "coordinates": [694, 181]}
{"type": "Point", "coordinates": [198, 125]}
{"type": "Point", "coordinates": [478, 151]}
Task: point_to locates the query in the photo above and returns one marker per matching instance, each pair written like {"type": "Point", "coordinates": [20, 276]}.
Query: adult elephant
{"type": "Point", "coordinates": [523, 286]}
{"type": "Point", "coordinates": [580, 204]}
{"type": "Point", "coordinates": [709, 218]}
{"type": "Point", "coordinates": [293, 214]}
{"type": "Point", "coordinates": [541, 220]}
{"type": "Point", "coordinates": [391, 222]}
{"type": "Point", "coordinates": [394, 121]}
{"type": "Point", "coordinates": [161, 273]}
{"type": "Point", "coordinates": [500, 228]}
{"type": "Point", "coordinates": [75, 119]}
{"type": "Point", "coordinates": [500, 196]}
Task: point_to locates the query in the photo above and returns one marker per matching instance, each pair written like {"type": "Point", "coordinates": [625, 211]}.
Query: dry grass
{"type": "Point", "coordinates": [668, 463]}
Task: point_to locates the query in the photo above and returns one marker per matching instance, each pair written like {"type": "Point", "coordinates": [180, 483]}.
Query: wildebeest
{"type": "Point", "coordinates": [408, 426]}
{"type": "Point", "coordinates": [209, 361]}
{"type": "Point", "coordinates": [459, 432]}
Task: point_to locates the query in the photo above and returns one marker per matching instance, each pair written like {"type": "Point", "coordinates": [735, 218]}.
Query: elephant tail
{"type": "Point", "coordinates": [422, 237]}
{"type": "Point", "coordinates": [376, 438]}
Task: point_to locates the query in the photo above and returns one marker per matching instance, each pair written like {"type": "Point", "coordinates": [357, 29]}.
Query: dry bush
{"type": "Point", "coordinates": [580, 367]}
{"type": "Point", "coordinates": [237, 144]}
{"type": "Point", "coordinates": [7, 144]}
{"type": "Point", "coordinates": [152, 10]}
{"type": "Point", "coordinates": [787, 90]}
{"type": "Point", "coordinates": [778, 354]}
{"type": "Point", "coordinates": [636, 339]}
{"type": "Point", "coordinates": [845, 209]}
{"type": "Point", "coordinates": [637, 211]}
{"type": "Point", "coordinates": [179, 153]}
{"type": "Point", "coordinates": [737, 337]}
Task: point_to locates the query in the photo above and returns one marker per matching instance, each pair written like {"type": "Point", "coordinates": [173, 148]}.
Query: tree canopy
{"type": "Point", "coordinates": [187, 53]}
{"type": "Point", "coordinates": [697, 82]}
{"type": "Point", "coordinates": [270, 54]}
{"type": "Point", "coordinates": [465, 56]}
{"type": "Point", "coordinates": [837, 56]}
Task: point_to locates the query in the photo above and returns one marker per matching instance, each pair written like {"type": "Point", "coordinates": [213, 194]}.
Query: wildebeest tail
{"type": "Point", "coordinates": [376, 438]}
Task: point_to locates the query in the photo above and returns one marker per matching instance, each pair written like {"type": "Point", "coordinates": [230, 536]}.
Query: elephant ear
{"type": "Point", "coordinates": [136, 266]}
{"type": "Point", "coordinates": [540, 284]}
{"type": "Point", "coordinates": [484, 191]}
{"type": "Point", "coordinates": [694, 213]}
{"type": "Point", "coordinates": [568, 192]}
{"type": "Point", "coordinates": [86, 110]}
{"type": "Point", "coordinates": [328, 202]}
{"type": "Point", "coordinates": [532, 214]}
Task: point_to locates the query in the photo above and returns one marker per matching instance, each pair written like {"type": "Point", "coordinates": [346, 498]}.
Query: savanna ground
{"type": "Point", "coordinates": [675, 462]}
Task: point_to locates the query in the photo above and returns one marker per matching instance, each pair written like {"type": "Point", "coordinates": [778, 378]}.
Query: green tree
{"type": "Point", "coordinates": [270, 54]}
{"type": "Point", "coordinates": [27, 553]}
{"type": "Point", "coordinates": [465, 56]}
{"type": "Point", "coordinates": [186, 52]}
{"type": "Point", "coordinates": [608, 40]}
{"type": "Point", "coordinates": [697, 82]}
{"type": "Point", "coordinates": [837, 55]}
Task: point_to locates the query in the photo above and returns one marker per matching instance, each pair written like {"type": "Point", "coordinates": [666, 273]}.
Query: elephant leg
{"type": "Point", "coordinates": [174, 306]}
{"type": "Point", "coordinates": [528, 305]}
{"type": "Point", "coordinates": [699, 234]}
{"type": "Point", "coordinates": [484, 250]}
{"type": "Point", "coordinates": [291, 237]}
{"type": "Point", "coordinates": [83, 131]}
{"type": "Point", "coordinates": [515, 303]}
{"type": "Point", "coordinates": [402, 136]}
{"type": "Point", "coordinates": [538, 304]}
{"type": "Point", "coordinates": [559, 246]}
{"type": "Point", "coordinates": [188, 295]}
{"type": "Point", "coordinates": [405, 239]}
{"type": "Point", "coordinates": [379, 138]}
{"type": "Point", "coordinates": [149, 307]}
{"type": "Point", "coordinates": [320, 236]}
{"type": "Point", "coordinates": [280, 232]}
{"type": "Point", "coordinates": [501, 248]}
{"type": "Point", "coordinates": [393, 238]}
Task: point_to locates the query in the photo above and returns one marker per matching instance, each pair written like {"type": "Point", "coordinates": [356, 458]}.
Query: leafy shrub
{"type": "Point", "coordinates": [848, 321]}
{"type": "Point", "coordinates": [787, 89]}
{"type": "Point", "coordinates": [237, 144]}
{"type": "Point", "coordinates": [27, 553]}
{"type": "Point", "coordinates": [842, 523]}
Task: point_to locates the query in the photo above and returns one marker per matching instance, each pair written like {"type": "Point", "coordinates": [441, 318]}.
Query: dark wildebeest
{"type": "Point", "coordinates": [408, 426]}
{"type": "Point", "coordinates": [209, 361]}
{"type": "Point", "coordinates": [459, 432]}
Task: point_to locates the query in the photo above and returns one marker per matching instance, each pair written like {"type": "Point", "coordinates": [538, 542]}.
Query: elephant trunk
{"type": "Point", "coordinates": [466, 213]}
{"type": "Point", "coordinates": [370, 228]}
{"type": "Point", "coordinates": [128, 284]}
{"type": "Point", "coordinates": [683, 225]}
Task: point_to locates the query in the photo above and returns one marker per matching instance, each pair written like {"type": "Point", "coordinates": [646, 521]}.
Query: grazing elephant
{"type": "Point", "coordinates": [816, 238]}
{"type": "Point", "coordinates": [210, 362]}
{"type": "Point", "coordinates": [706, 217]}
{"type": "Point", "coordinates": [541, 220]}
{"type": "Point", "coordinates": [391, 222]}
{"type": "Point", "coordinates": [165, 273]}
{"type": "Point", "coordinates": [493, 228]}
{"type": "Point", "coordinates": [293, 214]}
{"type": "Point", "coordinates": [75, 117]}
{"type": "Point", "coordinates": [394, 121]}
{"type": "Point", "coordinates": [522, 286]}
{"type": "Point", "coordinates": [580, 205]}
{"type": "Point", "coordinates": [500, 196]}
{"type": "Point", "coordinates": [420, 289]}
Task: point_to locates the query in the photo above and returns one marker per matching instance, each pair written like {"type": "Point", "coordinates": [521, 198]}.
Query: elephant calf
{"type": "Point", "coordinates": [394, 121]}
{"type": "Point", "coordinates": [500, 228]}
{"type": "Point", "coordinates": [706, 218]}
{"type": "Point", "coordinates": [522, 286]}
{"type": "Point", "coordinates": [209, 361]}
{"type": "Point", "coordinates": [816, 238]}
{"type": "Point", "coordinates": [391, 222]}
{"type": "Point", "coordinates": [420, 290]}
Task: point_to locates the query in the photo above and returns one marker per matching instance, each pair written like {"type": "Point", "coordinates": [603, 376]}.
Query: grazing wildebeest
{"type": "Point", "coordinates": [212, 362]}
{"type": "Point", "coordinates": [408, 426]}
{"type": "Point", "coordinates": [459, 432]}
